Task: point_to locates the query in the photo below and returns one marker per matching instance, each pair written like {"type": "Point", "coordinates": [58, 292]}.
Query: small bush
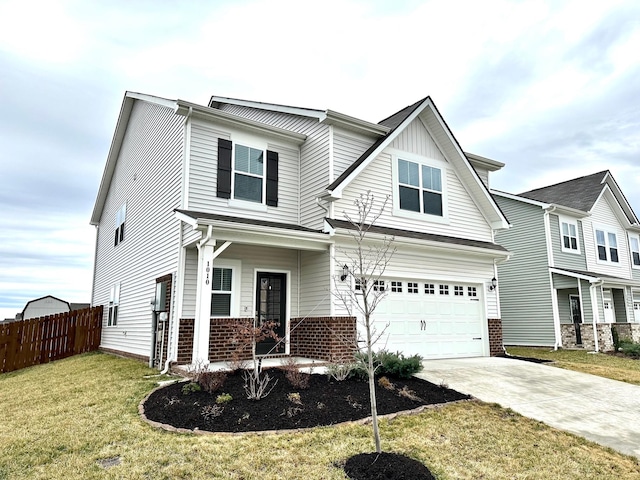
{"type": "Point", "coordinates": [211, 411]}
{"type": "Point", "coordinates": [386, 363]}
{"type": "Point", "coordinates": [295, 377]}
{"type": "Point", "coordinates": [630, 349]}
{"type": "Point", "coordinates": [294, 397]}
{"type": "Point", "coordinates": [212, 381]}
{"type": "Point", "coordinates": [410, 394]}
{"type": "Point", "coordinates": [190, 388]}
{"type": "Point", "coordinates": [256, 385]}
{"type": "Point", "coordinates": [223, 398]}
{"type": "Point", "coordinates": [385, 383]}
{"type": "Point", "coordinates": [340, 371]}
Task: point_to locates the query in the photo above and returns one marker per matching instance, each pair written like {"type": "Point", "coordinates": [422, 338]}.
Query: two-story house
{"type": "Point", "coordinates": [575, 269]}
{"type": "Point", "coordinates": [211, 215]}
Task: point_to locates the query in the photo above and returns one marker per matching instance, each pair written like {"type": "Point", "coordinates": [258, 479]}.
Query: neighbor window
{"type": "Point", "coordinates": [120, 218]}
{"type": "Point", "coordinates": [569, 236]}
{"type": "Point", "coordinates": [221, 292]}
{"type": "Point", "coordinates": [420, 188]}
{"type": "Point", "coordinates": [607, 246]}
{"type": "Point", "coordinates": [114, 303]}
{"type": "Point", "coordinates": [635, 251]}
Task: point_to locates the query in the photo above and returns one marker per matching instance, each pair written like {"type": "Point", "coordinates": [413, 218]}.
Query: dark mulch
{"type": "Point", "coordinates": [324, 402]}
{"type": "Point", "coordinates": [385, 466]}
{"type": "Point", "coordinates": [529, 359]}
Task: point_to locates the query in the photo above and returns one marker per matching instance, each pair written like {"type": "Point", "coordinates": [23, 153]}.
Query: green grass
{"type": "Point", "coordinates": [616, 368]}
{"type": "Point", "coordinates": [61, 419]}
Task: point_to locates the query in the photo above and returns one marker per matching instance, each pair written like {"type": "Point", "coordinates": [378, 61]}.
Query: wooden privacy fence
{"type": "Point", "coordinates": [41, 340]}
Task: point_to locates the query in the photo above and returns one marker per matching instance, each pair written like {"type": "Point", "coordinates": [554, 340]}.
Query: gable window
{"type": "Point", "coordinates": [634, 243]}
{"type": "Point", "coordinates": [120, 218]}
{"type": "Point", "coordinates": [607, 244]}
{"type": "Point", "coordinates": [114, 303]}
{"type": "Point", "coordinates": [221, 292]}
{"type": "Point", "coordinates": [420, 188]}
{"type": "Point", "coordinates": [247, 174]}
{"type": "Point", "coordinates": [569, 233]}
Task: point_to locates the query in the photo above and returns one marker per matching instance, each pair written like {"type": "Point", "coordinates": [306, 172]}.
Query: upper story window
{"type": "Point", "coordinates": [634, 243]}
{"type": "Point", "coordinates": [114, 304]}
{"type": "Point", "coordinates": [420, 188]}
{"type": "Point", "coordinates": [607, 244]}
{"type": "Point", "coordinates": [247, 174]}
{"type": "Point", "coordinates": [569, 234]}
{"type": "Point", "coordinates": [120, 218]}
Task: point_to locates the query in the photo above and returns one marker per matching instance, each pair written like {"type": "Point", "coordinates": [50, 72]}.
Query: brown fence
{"type": "Point", "coordinates": [41, 340]}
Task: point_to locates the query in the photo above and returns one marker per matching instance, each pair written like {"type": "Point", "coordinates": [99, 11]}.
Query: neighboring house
{"type": "Point", "coordinates": [44, 306]}
{"type": "Point", "coordinates": [575, 269]}
{"type": "Point", "coordinates": [210, 215]}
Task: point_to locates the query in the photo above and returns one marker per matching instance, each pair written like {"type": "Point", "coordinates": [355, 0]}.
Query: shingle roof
{"type": "Point", "coordinates": [579, 193]}
{"type": "Point", "coordinates": [246, 221]}
{"type": "Point", "coordinates": [392, 122]}
{"type": "Point", "coordinates": [419, 235]}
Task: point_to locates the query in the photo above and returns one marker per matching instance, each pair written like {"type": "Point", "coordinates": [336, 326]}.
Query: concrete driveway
{"type": "Point", "coordinates": [602, 410]}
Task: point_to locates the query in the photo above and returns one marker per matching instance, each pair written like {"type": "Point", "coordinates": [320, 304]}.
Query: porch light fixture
{"type": "Point", "coordinates": [493, 285]}
{"type": "Point", "coordinates": [345, 272]}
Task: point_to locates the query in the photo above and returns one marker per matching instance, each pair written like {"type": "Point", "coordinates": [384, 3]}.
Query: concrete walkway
{"type": "Point", "coordinates": [602, 410]}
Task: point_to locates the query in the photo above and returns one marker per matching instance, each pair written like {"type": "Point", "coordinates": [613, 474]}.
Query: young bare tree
{"type": "Point", "coordinates": [362, 289]}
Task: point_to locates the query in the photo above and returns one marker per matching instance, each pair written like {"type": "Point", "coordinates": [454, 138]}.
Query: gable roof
{"type": "Point", "coordinates": [428, 113]}
{"type": "Point", "coordinates": [582, 193]}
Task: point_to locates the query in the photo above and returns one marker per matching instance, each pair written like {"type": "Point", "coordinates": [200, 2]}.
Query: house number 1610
{"type": "Point", "coordinates": [207, 270]}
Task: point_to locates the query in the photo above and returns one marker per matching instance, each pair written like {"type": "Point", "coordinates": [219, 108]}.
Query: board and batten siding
{"type": "Point", "coordinates": [315, 284]}
{"type": "Point", "coordinates": [147, 177]}
{"type": "Point", "coordinates": [603, 215]}
{"type": "Point", "coordinates": [202, 176]}
{"type": "Point", "coordinates": [525, 290]}
{"type": "Point", "coordinates": [465, 219]}
{"type": "Point", "coordinates": [572, 261]}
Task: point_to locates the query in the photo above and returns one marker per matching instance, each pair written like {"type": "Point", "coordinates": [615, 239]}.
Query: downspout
{"type": "Point", "coordinates": [595, 316]}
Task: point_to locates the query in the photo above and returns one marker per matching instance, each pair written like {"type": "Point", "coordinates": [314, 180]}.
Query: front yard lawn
{"type": "Point", "coordinates": [78, 418]}
{"type": "Point", "coordinates": [623, 369]}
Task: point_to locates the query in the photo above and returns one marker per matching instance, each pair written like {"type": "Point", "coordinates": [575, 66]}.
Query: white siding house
{"type": "Point", "coordinates": [211, 216]}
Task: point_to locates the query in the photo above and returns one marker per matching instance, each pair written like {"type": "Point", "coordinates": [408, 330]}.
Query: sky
{"type": "Point", "coordinates": [550, 88]}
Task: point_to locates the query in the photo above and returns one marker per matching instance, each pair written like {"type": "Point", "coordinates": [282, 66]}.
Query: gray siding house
{"type": "Point", "coordinates": [208, 216]}
{"type": "Point", "coordinates": [575, 269]}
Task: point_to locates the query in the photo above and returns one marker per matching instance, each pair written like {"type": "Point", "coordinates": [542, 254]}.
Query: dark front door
{"type": "Point", "coordinates": [271, 298]}
{"type": "Point", "coordinates": [576, 315]}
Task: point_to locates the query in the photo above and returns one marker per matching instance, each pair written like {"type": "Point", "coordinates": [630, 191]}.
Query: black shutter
{"type": "Point", "coordinates": [224, 168]}
{"type": "Point", "coordinates": [272, 178]}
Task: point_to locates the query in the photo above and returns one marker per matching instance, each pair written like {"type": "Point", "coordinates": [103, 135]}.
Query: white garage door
{"type": "Point", "coordinates": [433, 319]}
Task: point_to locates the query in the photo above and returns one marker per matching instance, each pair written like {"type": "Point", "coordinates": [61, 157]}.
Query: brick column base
{"type": "Point", "coordinates": [496, 348]}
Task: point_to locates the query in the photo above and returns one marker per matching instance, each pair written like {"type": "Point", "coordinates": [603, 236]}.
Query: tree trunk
{"type": "Point", "coordinates": [372, 390]}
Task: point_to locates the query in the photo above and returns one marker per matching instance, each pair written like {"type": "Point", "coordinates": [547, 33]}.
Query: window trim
{"type": "Point", "coordinates": [236, 272]}
{"type": "Point", "coordinates": [607, 231]}
{"type": "Point", "coordinates": [635, 237]}
{"type": "Point", "coordinates": [397, 155]}
{"type": "Point", "coordinates": [569, 221]}
{"type": "Point", "coordinates": [235, 172]}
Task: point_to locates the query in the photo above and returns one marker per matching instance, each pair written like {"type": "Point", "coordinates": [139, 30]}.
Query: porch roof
{"type": "Point", "coordinates": [594, 277]}
{"type": "Point", "coordinates": [427, 237]}
{"type": "Point", "coordinates": [256, 232]}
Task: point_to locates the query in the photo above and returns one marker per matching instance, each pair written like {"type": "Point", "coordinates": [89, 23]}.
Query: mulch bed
{"type": "Point", "coordinates": [324, 402]}
{"type": "Point", "coordinates": [385, 466]}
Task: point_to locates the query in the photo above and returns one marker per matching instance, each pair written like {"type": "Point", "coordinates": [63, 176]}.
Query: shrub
{"type": "Point", "coordinates": [385, 383]}
{"type": "Point", "coordinates": [223, 398]}
{"type": "Point", "coordinates": [630, 349]}
{"type": "Point", "coordinates": [296, 378]}
{"type": "Point", "coordinates": [212, 381]}
{"type": "Point", "coordinates": [340, 371]}
{"type": "Point", "coordinates": [190, 388]}
{"type": "Point", "coordinates": [294, 397]}
{"type": "Point", "coordinates": [211, 411]}
{"type": "Point", "coordinates": [394, 365]}
{"type": "Point", "coordinates": [256, 385]}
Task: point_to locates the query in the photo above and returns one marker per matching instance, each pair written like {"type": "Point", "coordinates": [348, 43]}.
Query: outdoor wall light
{"type": "Point", "coordinates": [494, 284]}
{"type": "Point", "coordinates": [345, 272]}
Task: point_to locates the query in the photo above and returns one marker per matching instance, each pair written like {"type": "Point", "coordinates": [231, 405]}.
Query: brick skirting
{"type": "Point", "coordinates": [605, 337]}
{"type": "Point", "coordinates": [322, 338]}
{"type": "Point", "coordinates": [496, 348]}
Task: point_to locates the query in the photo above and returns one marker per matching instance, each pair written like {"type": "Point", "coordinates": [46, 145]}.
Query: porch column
{"type": "Point", "coordinates": [202, 321]}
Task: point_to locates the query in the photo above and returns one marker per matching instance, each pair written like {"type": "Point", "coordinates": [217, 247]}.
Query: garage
{"type": "Point", "coordinates": [433, 319]}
